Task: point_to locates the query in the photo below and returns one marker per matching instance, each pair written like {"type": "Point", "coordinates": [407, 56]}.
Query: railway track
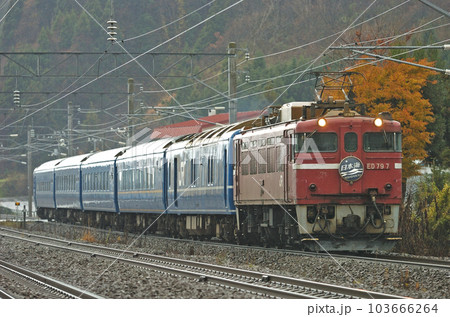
{"type": "Point", "coordinates": [5, 295]}
{"type": "Point", "coordinates": [398, 259]}
{"type": "Point", "coordinates": [260, 283]}
{"type": "Point", "coordinates": [56, 288]}
{"type": "Point", "coordinates": [380, 258]}
{"type": "Point", "coordinates": [383, 258]}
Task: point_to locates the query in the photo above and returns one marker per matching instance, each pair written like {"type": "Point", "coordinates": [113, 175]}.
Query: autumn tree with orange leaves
{"type": "Point", "coordinates": [397, 88]}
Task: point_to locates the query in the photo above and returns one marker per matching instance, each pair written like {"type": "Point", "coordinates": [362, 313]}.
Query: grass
{"type": "Point", "coordinates": [12, 224]}
{"type": "Point", "coordinates": [88, 236]}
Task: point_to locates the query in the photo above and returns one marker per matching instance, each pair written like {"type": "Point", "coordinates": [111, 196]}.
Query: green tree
{"type": "Point", "coordinates": [426, 218]}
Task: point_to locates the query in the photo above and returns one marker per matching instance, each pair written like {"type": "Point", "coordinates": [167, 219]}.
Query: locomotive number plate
{"type": "Point", "coordinates": [377, 166]}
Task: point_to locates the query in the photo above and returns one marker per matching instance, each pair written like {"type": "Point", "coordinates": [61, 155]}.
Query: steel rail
{"type": "Point", "coordinates": [398, 259]}
{"type": "Point", "coordinates": [386, 258]}
{"type": "Point", "coordinates": [263, 283]}
{"type": "Point", "coordinates": [5, 295]}
{"type": "Point", "coordinates": [170, 270]}
{"type": "Point", "coordinates": [66, 290]}
{"type": "Point", "coordinates": [382, 258]}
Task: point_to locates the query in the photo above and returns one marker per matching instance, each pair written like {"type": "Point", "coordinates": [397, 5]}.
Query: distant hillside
{"type": "Point", "coordinates": [282, 37]}
{"type": "Point", "coordinates": [266, 26]}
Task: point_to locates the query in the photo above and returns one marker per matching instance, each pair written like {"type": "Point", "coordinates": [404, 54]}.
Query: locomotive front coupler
{"type": "Point", "coordinates": [373, 194]}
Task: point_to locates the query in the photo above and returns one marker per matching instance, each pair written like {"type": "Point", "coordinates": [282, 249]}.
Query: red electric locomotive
{"type": "Point", "coordinates": [325, 177]}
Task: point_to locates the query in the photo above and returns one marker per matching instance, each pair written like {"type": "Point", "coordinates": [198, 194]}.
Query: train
{"type": "Point", "coordinates": [320, 176]}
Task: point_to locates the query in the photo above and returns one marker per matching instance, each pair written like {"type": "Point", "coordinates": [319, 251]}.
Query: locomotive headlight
{"type": "Point", "coordinates": [312, 187]}
{"type": "Point", "coordinates": [378, 122]}
{"type": "Point", "coordinates": [388, 186]}
{"type": "Point", "coordinates": [322, 122]}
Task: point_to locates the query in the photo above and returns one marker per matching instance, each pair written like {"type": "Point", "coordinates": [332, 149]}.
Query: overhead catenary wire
{"type": "Point", "coordinates": [245, 96]}
{"type": "Point", "coordinates": [292, 71]}
{"type": "Point", "coordinates": [396, 37]}
{"type": "Point", "coordinates": [275, 88]}
{"type": "Point", "coordinates": [280, 52]}
{"type": "Point", "coordinates": [249, 95]}
{"type": "Point", "coordinates": [382, 44]}
{"type": "Point", "coordinates": [331, 35]}
{"type": "Point", "coordinates": [396, 55]}
{"type": "Point", "coordinates": [252, 94]}
{"type": "Point", "coordinates": [124, 64]}
{"type": "Point", "coordinates": [1, 20]}
{"type": "Point", "coordinates": [320, 55]}
{"type": "Point", "coordinates": [135, 59]}
{"type": "Point", "coordinates": [406, 33]}
{"type": "Point", "coordinates": [168, 24]}
{"type": "Point", "coordinates": [304, 45]}
{"type": "Point", "coordinates": [379, 15]}
{"type": "Point", "coordinates": [49, 104]}
{"type": "Point", "coordinates": [66, 90]}
{"type": "Point", "coordinates": [132, 57]}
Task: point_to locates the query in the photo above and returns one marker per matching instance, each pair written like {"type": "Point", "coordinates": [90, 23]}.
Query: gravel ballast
{"type": "Point", "coordinates": [124, 281]}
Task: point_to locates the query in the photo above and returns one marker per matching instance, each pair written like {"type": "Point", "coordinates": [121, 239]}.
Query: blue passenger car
{"type": "Point", "coordinates": [99, 182]}
{"type": "Point", "coordinates": [140, 178]}
{"type": "Point", "coordinates": [67, 182]}
{"type": "Point", "coordinates": [200, 173]}
{"type": "Point", "coordinates": [44, 185]}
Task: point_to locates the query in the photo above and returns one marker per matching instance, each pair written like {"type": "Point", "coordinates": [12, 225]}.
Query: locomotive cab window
{"type": "Point", "coordinates": [315, 142]}
{"type": "Point", "coordinates": [350, 142]}
{"type": "Point", "coordinates": [382, 142]}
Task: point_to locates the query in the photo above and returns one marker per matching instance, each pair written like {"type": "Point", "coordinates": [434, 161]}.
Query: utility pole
{"type": "Point", "coordinates": [70, 129]}
{"type": "Point", "coordinates": [30, 172]}
{"type": "Point", "coordinates": [232, 82]}
{"type": "Point", "coordinates": [130, 110]}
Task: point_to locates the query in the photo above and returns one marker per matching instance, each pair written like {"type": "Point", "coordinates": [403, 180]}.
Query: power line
{"type": "Point", "coordinates": [1, 20]}
{"type": "Point", "coordinates": [320, 55]}
{"type": "Point", "coordinates": [278, 88]}
{"type": "Point", "coordinates": [168, 24]}
{"type": "Point", "coordinates": [396, 55]}
{"type": "Point", "coordinates": [136, 58]}
{"type": "Point", "coordinates": [331, 35]}
{"type": "Point", "coordinates": [435, 7]}
{"type": "Point", "coordinates": [125, 63]}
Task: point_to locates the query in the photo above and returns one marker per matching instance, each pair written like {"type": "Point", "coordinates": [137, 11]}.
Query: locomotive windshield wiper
{"type": "Point", "coordinates": [311, 134]}
{"type": "Point", "coordinates": [386, 141]}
